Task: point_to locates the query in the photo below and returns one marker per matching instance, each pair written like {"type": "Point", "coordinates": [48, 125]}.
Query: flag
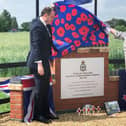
{"type": "Point", "coordinates": [75, 27]}
{"type": "Point", "coordinates": [28, 94]}
{"type": "Point", "coordinates": [77, 2]}
{"type": "Point", "coordinates": [4, 86]}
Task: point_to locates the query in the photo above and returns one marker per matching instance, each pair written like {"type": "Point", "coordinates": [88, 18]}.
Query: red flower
{"type": "Point", "coordinates": [91, 16]}
{"type": "Point", "coordinates": [96, 27]}
{"type": "Point", "coordinates": [101, 42]}
{"type": "Point", "coordinates": [75, 35]}
{"type": "Point", "coordinates": [72, 27]}
{"type": "Point", "coordinates": [57, 21]}
{"type": "Point", "coordinates": [72, 47]}
{"type": "Point", "coordinates": [67, 26]}
{"type": "Point", "coordinates": [53, 37]}
{"type": "Point", "coordinates": [102, 35]}
{"type": "Point", "coordinates": [84, 30]}
{"type": "Point", "coordinates": [94, 43]}
{"type": "Point", "coordinates": [93, 37]}
{"type": "Point", "coordinates": [56, 16]}
{"type": "Point", "coordinates": [60, 31]}
{"type": "Point", "coordinates": [62, 21]}
{"type": "Point", "coordinates": [77, 43]}
{"type": "Point", "coordinates": [103, 25]}
{"type": "Point", "coordinates": [74, 12]}
{"type": "Point", "coordinates": [53, 30]}
{"type": "Point", "coordinates": [84, 38]}
{"type": "Point", "coordinates": [59, 42]}
{"type": "Point", "coordinates": [71, 5]}
{"type": "Point", "coordinates": [68, 40]}
{"type": "Point", "coordinates": [90, 21]}
{"type": "Point", "coordinates": [64, 52]}
{"type": "Point", "coordinates": [86, 41]}
{"type": "Point", "coordinates": [83, 17]}
{"type": "Point", "coordinates": [68, 17]}
{"type": "Point", "coordinates": [54, 53]}
{"type": "Point", "coordinates": [62, 8]}
{"type": "Point", "coordinates": [78, 20]}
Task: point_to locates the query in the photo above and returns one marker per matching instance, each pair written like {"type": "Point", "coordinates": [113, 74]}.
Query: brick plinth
{"type": "Point", "coordinates": [110, 83]}
{"type": "Point", "coordinates": [16, 101]}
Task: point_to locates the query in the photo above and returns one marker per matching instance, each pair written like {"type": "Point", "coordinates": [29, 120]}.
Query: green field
{"type": "Point", "coordinates": [14, 47]}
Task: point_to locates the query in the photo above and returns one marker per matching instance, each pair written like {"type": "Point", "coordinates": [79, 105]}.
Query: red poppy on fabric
{"type": "Point", "coordinates": [94, 43]}
{"type": "Point", "coordinates": [56, 16]}
{"type": "Point", "coordinates": [57, 21]}
{"type": "Point", "coordinates": [101, 42]}
{"type": "Point", "coordinates": [103, 25]}
{"type": "Point", "coordinates": [75, 35]}
{"type": "Point", "coordinates": [68, 40]}
{"type": "Point", "coordinates": [83, 17]}
{"type": "Point", "coordinates": [67, 26]}
{"type": "Point", "coordinates": [93, 37]}
{"type": "Point", "coordinates": [84, 38]}
{"type": "Point", "coordinates": [60, 31]}
{"type": "Point", "coordinates": [86, 41]}
{"type": "Point", "coordinates": [62, 8]}
{"type": "Point", "coordinates": [62, 21]}
{"type": "Point", "coordinates": [96, 27]}
{"type": "Point", "coordinates": [71, 5]}
{"type": "Point", "coordinates": [54, 53]}
{"type": "Point", "coordinates": [72, 47]}
{"type": "Point", "coordinates": [78, 20]}
{"type": "Point", "coordinates": [91, 16]}
{"type": "Point", "coordinates": [74, 12]}
{"type": "Point", "coordinates": [53, 37]}
{"type": "Point", "coordinates": [102, 35]}
{"type": "Point", "coordinates": [64, 52]}
{"type": "Point", "coordinates": [53, 29]}
{"type": "Point", "coordinates": [77, 43]}
{"type": "Point", "coordinates": [90, 21]}
{"type": "Point", "coordinates": [72, 26]}
{"type": "Point", "coordinates": [68, 17]}
{"type": "Point", "coordinates": [84, 30]}
{"type": "Point", "coordinates": [59, 42]}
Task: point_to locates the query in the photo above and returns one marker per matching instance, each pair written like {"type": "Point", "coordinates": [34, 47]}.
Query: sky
{"type": "Point", "coordinates": [25, 10]}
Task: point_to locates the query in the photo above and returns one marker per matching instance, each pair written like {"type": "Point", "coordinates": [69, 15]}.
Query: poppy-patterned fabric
{"type": "Point", "coordinates": [75, 27]}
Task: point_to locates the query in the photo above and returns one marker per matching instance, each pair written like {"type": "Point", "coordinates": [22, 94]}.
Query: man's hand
{"type": "Point", "coordinates": [41, 69]}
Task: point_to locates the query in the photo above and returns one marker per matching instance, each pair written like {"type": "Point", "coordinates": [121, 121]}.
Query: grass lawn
{"type": "Point", "coordinates": [14, 46]}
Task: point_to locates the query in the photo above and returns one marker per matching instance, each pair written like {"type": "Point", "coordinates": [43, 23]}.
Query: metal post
{"type": "Point", "coordinates": [95, 7]}
{"type": "Point", "coordinates": [37, 8]}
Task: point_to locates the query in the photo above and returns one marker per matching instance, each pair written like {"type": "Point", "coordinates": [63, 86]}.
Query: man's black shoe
{"type": "Point", "coordinates": [43, 119]}
{"type": "Point", "coordinates": [50, 116]}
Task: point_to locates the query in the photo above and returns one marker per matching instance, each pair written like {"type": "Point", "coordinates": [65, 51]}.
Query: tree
{"type": "Point", "coordinates": [25, 26]}
{"type": "Point", "coordinates": [5, 20]}
{"type": "Point", "coordinates": [14, 24]}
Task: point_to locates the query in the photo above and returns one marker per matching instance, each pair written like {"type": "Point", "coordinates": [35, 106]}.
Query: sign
{"type": "Point", "coordinates": [82, 77]}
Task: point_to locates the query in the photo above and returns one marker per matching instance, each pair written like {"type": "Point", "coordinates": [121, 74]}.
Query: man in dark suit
{"type": "Point", "coordinates": [38, 62]}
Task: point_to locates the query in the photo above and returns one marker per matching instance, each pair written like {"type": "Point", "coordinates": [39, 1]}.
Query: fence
{"type": "Point", "coordinates": [3, 101]}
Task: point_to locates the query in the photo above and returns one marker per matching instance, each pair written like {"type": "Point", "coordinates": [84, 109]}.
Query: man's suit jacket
{"type": "Point", "coordinates": [40, 43]}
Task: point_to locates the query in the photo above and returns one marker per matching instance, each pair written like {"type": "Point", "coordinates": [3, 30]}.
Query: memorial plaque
{"type": "Point", "coordinates": [82, 77]}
